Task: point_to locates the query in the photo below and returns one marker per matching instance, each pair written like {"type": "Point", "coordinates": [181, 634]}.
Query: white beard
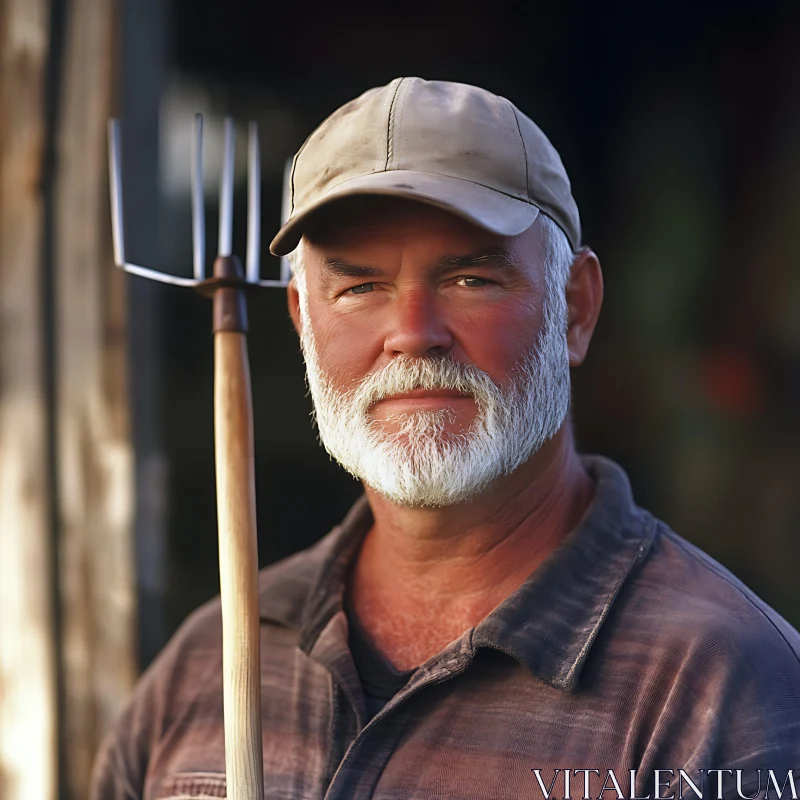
{"type": "Point", "coordinates": [421, 463]}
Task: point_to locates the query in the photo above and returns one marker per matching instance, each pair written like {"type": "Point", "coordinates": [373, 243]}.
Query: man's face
{"type": "Point", "coordinates": [429, 365]}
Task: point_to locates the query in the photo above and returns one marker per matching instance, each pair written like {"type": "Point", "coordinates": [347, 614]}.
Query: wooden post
{"type": "Point", "coordinates": [28, 726]}
{"type": "Point", "coordinates": [95, 454]}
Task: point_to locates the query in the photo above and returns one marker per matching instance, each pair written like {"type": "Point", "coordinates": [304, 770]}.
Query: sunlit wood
{"type": "Point", "coordinates": [238, 563]}
{"type": "Point", "coordinates": [28, 728]}
{"type": "Point", "coordinates": [95, 453]}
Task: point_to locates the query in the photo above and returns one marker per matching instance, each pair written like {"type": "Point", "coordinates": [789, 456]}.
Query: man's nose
{"type": "Point", "coordinates": [417, 326]}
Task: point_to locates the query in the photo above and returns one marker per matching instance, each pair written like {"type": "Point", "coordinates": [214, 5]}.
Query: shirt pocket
{"type": "Point", "coordinates": [192, 786]}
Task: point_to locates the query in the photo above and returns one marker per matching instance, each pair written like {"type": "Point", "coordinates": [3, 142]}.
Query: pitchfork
{"type": "Point", "coordinates": [233, 438]}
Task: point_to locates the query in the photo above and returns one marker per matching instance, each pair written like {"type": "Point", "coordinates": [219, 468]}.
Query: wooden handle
{"type": "Point", "coordinates": [238, 565]}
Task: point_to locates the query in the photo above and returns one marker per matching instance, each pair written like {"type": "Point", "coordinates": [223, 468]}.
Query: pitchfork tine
{"type": "Point", "coordinates": [226, 192]}
{"type": "Point", "coordinates": [115, 171]}
{"type": "Point", "coordinates": [199, 279]}
{"type": "Point", "coordinates": [198, 205]}
{"type": "Point", "coordinates": [253, 206]}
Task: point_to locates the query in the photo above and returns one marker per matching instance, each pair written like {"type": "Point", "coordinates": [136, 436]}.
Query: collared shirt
{"type": "Point", "coordinates": [628, 649]}
{"type": "Point", "coordinates": [380, 680]}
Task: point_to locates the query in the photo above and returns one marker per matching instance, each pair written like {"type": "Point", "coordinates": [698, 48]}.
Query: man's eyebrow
{"type": "Point", "coordinates": [486, 258]}
{"type": "Point", "coordinates": [337, 268]}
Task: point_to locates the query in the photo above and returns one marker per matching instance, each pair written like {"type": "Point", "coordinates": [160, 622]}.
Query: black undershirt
{"type": "Point", "coordinates": [379, 679]}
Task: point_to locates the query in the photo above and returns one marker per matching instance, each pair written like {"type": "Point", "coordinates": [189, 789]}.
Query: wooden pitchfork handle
{"type": "Point", "coordinates": [236, 515]}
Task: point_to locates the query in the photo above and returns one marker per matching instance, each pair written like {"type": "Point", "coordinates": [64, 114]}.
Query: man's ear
{"type": "Point", "coordinates": [584, 298]}
{"type": "Point", "coordinates": [293, 301]}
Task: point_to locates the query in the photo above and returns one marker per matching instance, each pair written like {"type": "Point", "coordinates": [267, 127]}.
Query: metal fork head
{"type": "Point", "coordinates": [252, 269]}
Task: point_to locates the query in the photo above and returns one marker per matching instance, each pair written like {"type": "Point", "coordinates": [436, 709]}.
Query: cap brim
{"type": "Point", "coordinates": [489, 209]}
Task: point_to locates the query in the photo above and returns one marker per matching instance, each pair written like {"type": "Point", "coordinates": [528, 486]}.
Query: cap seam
{"type": "Point", "coordinates": [390, 126]}
{"type": "Point", "coordinates": [295, 162]}
{"type": "Point", "coordinates": [441, 175]}
{"type": "Point", "coordinates": [524, 149]}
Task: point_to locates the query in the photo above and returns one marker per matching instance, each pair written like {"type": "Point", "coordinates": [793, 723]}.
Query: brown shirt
{"type": "Point", "coordinates": [627, 649]}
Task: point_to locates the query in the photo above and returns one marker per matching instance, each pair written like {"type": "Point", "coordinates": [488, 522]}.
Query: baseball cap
{"type": "Point", "coordinates": [451, 145]}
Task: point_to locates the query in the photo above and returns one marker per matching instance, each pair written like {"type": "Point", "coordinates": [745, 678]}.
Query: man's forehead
{"type": "Point", "coordinates": [364, 223]}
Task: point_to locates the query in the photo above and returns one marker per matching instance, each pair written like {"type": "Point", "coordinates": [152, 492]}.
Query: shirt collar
{"type": "Point", "coordinates": [549, 624]}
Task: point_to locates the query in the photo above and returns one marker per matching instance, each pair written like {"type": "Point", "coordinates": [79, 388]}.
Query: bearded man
{"type": "Point", "coordinates": [496, 617]}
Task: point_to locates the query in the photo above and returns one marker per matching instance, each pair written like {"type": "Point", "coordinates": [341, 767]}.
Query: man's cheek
{"type": "Point", "coordinates": [351, 353]}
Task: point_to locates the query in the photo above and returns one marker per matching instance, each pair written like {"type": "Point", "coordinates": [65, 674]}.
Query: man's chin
{"type": "Point", "coordinates": [423, 474]}
{"type": "Point", "coordinates": [423, 496]}
{"type": "Point", "coordinates": [446, 425]}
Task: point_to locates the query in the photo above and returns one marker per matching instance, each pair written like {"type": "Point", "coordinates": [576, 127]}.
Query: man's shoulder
{"type": "Point", "coordinates": [711, 656]}
{"type": "Point", "coordinates": [690, 601]}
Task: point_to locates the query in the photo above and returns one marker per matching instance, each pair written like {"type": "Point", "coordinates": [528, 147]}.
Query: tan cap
{"type": "Point", "coordinates": [450, 145]}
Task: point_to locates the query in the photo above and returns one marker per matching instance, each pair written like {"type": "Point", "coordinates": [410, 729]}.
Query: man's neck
{"type": "Point", "coordinates": [423, 576]}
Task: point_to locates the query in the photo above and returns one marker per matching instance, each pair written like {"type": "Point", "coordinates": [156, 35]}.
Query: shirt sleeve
{"type": "Point", "coordinates": [745, 702]}
{"type": "Point", "coordinates": [112, 777]}
{"type": "Point", "coordinates": [124, 763]}
{"type": "Point", "coordinates": [120, 767]}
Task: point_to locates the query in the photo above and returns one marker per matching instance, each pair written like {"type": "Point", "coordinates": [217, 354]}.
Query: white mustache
{"type": "Point", "coordinates": [407, 374]}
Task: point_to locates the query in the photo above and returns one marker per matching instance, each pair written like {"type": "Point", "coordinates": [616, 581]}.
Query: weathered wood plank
{"type": "Point", "coordinates": [28, 726]}
{"type": "Point", "coordinates": [95, 469]}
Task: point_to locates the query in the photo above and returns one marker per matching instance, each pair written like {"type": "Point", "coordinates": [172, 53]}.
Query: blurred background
{"type": "Point", "coordinates": [678, 123]}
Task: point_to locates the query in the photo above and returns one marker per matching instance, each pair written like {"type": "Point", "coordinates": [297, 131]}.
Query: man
{"type": "Point", "coordinates": [495, 618]}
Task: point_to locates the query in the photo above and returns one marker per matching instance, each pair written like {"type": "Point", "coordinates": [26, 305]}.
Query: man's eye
{"type": "Point", "coordinates": [362, 288]}
{"type": "Point", "coordinates": [473, 283]}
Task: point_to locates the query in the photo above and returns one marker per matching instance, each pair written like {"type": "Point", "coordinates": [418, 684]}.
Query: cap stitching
{"type": "Point", "coordinates": [443, 175]}
{"type": "Point", "coordinates": [291, 184]}
{"type": "Point", "coordinates": [524, 149]}
{"type": "Point", "coordinates": [295, 162]}
{"type": "Point", "coordinates": [390, 126]}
